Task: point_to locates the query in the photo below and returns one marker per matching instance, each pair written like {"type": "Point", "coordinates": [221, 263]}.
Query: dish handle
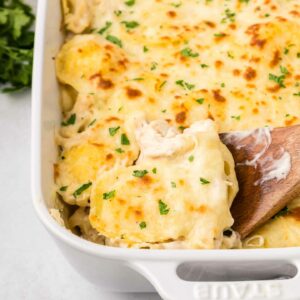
{"type": "Point", "coordinates": [164, 278]}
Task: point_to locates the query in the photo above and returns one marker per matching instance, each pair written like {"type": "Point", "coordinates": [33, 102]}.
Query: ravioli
{"type": "Point", "coordinates": [173, 64]}
{"type": "Point", "coordinates": [177, 190]}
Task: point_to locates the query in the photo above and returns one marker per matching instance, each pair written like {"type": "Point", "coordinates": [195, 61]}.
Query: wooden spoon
{"type": "Point", "coordinates": [260, 156]}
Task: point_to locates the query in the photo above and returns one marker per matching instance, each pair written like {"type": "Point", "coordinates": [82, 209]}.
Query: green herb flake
{"type": "Point", "coordinates": [297, 94]}
{"type": "Point", "coordinates": [163, 208]}
{"type": "Point", "coordinates": [81, 189]}
{"type": "Point", "coordinates": [124, 140]}
{"type": "Point", "coordinates": [105, 28]}
{"type": "Point", "coordinates": [279, 79]}
{"type": "Point", "coordinates": [130, 2]}
{"type": "Point", "coordinates": [143, 225]}
{"type": "Point", "coordinates": [200, 100]}
{"type": "Point", "coordinates": [109, 195]}
{"type": "Point", "coordinates": [162, 85]}
{"type": "Point", "coordinates": [191, 158]}
{"type": "Point", "coordinates": [118, 13]}
{"type": "Point", "coordinates": [70, 121]}
{"type": "Point", "coordinates": [92, 123]}
{"type": "Point", "coordinates": [130, 24]}
{"type": "Point", "coordinates": [204, 181]}
{"type": "Point", "coordinates": [139, 173]}
{"type": "Point", "coordinates": [154, 170]}
{"type": "Point", "coordinates": [114, 40]}
{"type": "Point", "coordinates": [173, 184]}
{"type": "Point", "coordinates": [63, 188]}
{"type": "Point", "coordinates": [185, 85]}
{"type": "Point", "coordinates": [119, 150]}
{"type": "Point", "coordinates": [145, 49]}
{"type": "Point", "coordinates": [238, 118]}
{"type": "Point", "coordinates": [203, 66]}
{"type": "Point", "coordinates": [113, 130]}
{"type": "Point", "coordinates": [219, 35]}
{"type": "Point", "coordinates": [187, 52]}
{"type": "Point", "coordinates": [229, 16]}
{"type": "Point", "coordinates": [153, 66]}
{"type": "Point", "coordinates": [281, 213]}
{"type": "Point", "coordinates": [176, 5]}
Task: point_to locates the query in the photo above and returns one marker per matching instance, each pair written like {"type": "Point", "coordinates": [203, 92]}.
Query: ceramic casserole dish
{"type": "Point", "coordinates": [174, 274]}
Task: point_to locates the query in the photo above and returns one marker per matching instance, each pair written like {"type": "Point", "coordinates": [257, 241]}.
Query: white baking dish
{"type": "Point", "coordinates": [133, 270]}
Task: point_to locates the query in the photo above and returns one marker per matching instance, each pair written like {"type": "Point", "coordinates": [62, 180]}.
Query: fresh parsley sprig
{"type": "Point", "coordinates": [16, 45]}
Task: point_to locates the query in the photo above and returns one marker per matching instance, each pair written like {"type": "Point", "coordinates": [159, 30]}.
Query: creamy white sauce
{"type": "Point", "coordinates": [271, 168]}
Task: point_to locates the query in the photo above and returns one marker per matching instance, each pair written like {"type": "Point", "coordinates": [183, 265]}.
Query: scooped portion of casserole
{"type": "Point", "coordinates": [180, 189]}
{"type": "Point", "coordinates": [146, 86]}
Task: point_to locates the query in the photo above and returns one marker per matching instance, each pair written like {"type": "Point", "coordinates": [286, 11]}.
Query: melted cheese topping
{"type": "Point", "coordinates": [235, 62]}
{"type": "Point", "coordinates": [182, 191]}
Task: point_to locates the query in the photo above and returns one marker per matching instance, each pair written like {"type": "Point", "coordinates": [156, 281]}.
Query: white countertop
{"type": "Point", "coordinates": [31, 266]}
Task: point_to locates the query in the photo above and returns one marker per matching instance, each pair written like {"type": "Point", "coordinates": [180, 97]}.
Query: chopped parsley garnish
{"type": "Point", "coordinates": [114, 40]}
{"type": "Point", "coordinates": [109, 195]}
{"type": "Point", "coordinates": [118, 13]}
{"type": "Point", "coordinates": [191, 158]}
{"type": "Point", "coordinates": [63, 188]}
{"type": "Point", "coordinates": [173, 184]}
{"type": "Point", "coordinates": [70, 121]}
{"type": "Point", "coordinates": [145, 49]}
{"type": "Point", "coordinates": [188, 52]}
{"type": "Point", "coordinates": [204, 181]}
{"type": "Point", "coordinates": [130, 2]}
{"type": "Point", "coordinates": [222, 84]}
{"type": "Point", "coordinates": [105, 28]}
{"type": "Point", "coordinates": [297, 94]}
{"type": "Point", "coordinates": [185, 85]}
{"type": "Point", "coordinates": [200, 100]}
{"type": "Point", "coordinates": [139, 173]}
{"type": "Point", "coordinates": [279, 79]}
{"type": "Point", "coordinates": [153, 66]}
{"type": "Point", "coordinates": [143, 225]}
{"type": "Point", "coordinates": [154, 170]}
{"type": "Point", "coordinates": [219, 35]}
{"type": "Point", "coordinates": [162, 85]}
{"type": "Point", "coordinates": [113, 130]}
{"type": "Point", "coordinates": [176, 5]}
{"type": "Point", "coordinates": [119, 150]}
{"type": "Point", "coordinates": [244, 1]}
{"type": "Point", "coordinates": [80, 190]}
{"type": "Point", "coordinates": [203, 66]}
{"type": "Point", "coordinates": [281, 213]}
{"type": "Point", "coordinates": [92, 123]}
{"type": "Point", "coordinates": [130, 24]}
{"type": "Point", "coordinates": [229, 16]}
{"type": "Point", "coordinates": [286, 51]}
{"type": "Point", "coordinates": [124, 140]}
{"type": "Point", "coordinates": [16, 45]}
{"type": "Point", "coordinates": [298, 55]}
{"type": "Point", "coordinates": [238, 118]}
{"type": "Point", "coordinates": [163, 208]}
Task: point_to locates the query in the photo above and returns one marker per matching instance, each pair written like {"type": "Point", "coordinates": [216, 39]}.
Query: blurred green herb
{"type": "Point", "coordinates": [16, 45]}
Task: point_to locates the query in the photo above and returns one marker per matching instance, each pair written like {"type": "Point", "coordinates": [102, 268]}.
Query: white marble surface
{"type": "Point", "coordinates": [31, 266]}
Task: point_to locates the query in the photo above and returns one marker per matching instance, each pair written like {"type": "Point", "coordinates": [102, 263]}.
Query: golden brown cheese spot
{"type": "Point", "coordinates": [218, 97]}
{"type": "Point", "coordinates": [276, 59]}
{"type": "Point", "coordinates": [133, 93]}
{"type": "Point", "coordinates": [210, 24]}
{"type": "Point", "coordinates": [104, 84]}
{"type": "Point", "coordinates": [274, 89]}
{"type": "Point", "coordinates": [109, 156]}
{"type": "Point", "coordinates": [171, 14]}
{"type": "Point", "coordinates": [249, 74]}
{"type": "Point", "coordinates": [253, 31]}
{"type": "Point", "coordinates": [291, 121]}
{"type": "Point", "coordinates": [236, 72]}
{"type": "Point", "coordinates": [295, 213]}
{"type": "Point", "coordinates": [219, 64]}
{"type": "Point", "coordinates": [55, 171]}
{"type": "Point", "coordinates": [180, 117]}
{"type": "Point", "coordinates": [146, 180]}
{"type": "Point", "coordinates": [111, 119]}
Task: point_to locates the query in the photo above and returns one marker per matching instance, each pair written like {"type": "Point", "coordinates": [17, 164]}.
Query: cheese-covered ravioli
{"type": "Point", "coordinates": [105, 144]}
{"type": "Point", "coordinates": [89, 63]}
{"type": "Point", "coordinates": [281, 231]}
{"type": "Point", "coordinates": [180, 189]}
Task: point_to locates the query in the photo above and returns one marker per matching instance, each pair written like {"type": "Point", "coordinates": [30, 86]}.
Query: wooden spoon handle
{"type": "Point", "coordinates": [263, 192]}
